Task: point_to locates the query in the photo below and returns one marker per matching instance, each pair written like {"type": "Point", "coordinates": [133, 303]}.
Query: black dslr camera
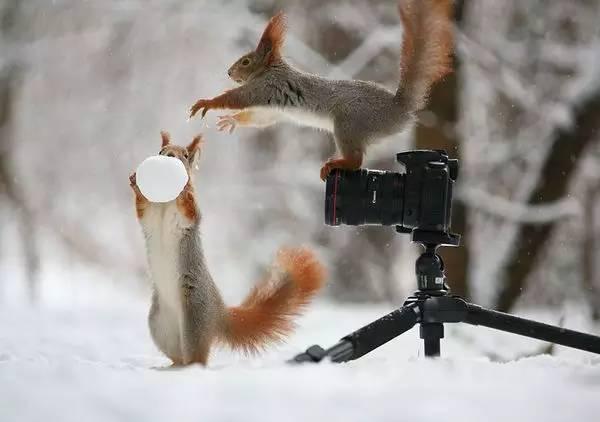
{"type": "Point", "coordinates": [418, 198]}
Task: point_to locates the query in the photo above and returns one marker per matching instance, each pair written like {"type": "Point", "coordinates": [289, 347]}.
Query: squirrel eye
{"type": "Point", "coordinates": [186, 155]}
{"type": "Point", "coordinates": [246, 62]}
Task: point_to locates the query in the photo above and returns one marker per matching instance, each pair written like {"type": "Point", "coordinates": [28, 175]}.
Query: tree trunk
{"type": "Point", "coordinates": [9, 76]}
{"type": "Point", "coordinates": [438, 132]}
{"type": "Point", "coordinates": [553, 184]}
{"type": "Point", "coordinates": [589, 252]}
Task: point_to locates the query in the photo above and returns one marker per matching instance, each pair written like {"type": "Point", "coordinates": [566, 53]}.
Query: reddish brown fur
{"type": "Point", "coordinates": [141, 203]}
{"type": "Point", "coordinates": [186, 204]}
{"type": "Point", "coordinates": [166, 138]}
{"type": "Point", "coordinates": [195, 144]}
{"type": "Point", "coordinates": [427, 46]}
{"type": "Point", "coordinates": [272, 39]}
{"type": "Point", "coordinates": [266, 315]}
{"type": "Point", "coordinates": [345, 163]}
{"type": "Point", "coordinates": [229, 99]}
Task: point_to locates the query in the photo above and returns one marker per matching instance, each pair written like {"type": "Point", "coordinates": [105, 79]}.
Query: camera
{"type": "Point", "coordinates": [420, 197]}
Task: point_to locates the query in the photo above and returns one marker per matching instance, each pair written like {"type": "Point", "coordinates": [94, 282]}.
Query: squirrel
{"type": "Point", "coordinates": [358, 113]}
{"type": "Point", "coordinates": [187, 315]}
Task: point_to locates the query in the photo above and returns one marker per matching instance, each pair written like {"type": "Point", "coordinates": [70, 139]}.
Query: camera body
{"type": "Point", "coordinates": [418, 198]}
{"type": "Point", "coordinates": [429, 181]}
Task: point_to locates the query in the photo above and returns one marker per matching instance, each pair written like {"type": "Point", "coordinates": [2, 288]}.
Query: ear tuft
{"type": "Point", "coordinates": [166, 138]}
{"type": "Point", "coordinates": [272, 38]}
{"type": "Point", "coordinates": [194, 145]}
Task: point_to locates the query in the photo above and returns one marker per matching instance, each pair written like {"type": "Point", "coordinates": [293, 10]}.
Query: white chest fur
{"type": "Point", "coordinates": [268, 115]}
{"type": "Point", "coordinates": [306, 118]}
{"type": "Point", "coordinates": [163, 228]}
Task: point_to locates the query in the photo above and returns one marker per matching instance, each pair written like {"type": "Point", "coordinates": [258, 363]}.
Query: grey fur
{"type": "Point", "coordinates": [357, 112]}
{"type": "Point", "coordinates": [203, 307]}
{"type": "Point", "coordinates": [362, 111]}
{"type": "Point", "coordinates": [185, 334]}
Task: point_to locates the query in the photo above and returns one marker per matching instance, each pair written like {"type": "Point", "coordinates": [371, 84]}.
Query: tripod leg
{"type": "Point", "coordinates": [367, 338]}
{"type": "Point", "coordinates": [431, 333]}
{"type": "Point", "coordinates": [476, 315]}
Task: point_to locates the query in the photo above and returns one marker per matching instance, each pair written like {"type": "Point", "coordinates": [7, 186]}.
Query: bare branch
{"type": "Point", "coordinates": [506, 209]}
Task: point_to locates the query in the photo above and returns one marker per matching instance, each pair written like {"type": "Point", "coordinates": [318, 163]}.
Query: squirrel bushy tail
{"type": "Point", "coordinates": [426, 48]}
{"type": "Point", "coordinates": [266, 315]}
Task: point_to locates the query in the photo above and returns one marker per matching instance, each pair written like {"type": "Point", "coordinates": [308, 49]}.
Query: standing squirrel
{"type": "Point", "coordinates": [358, 113]}
{"type": "Point", "coordinates": [187, 315]}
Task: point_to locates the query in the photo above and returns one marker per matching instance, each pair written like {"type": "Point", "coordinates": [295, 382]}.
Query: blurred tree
{"type": "Point", "coordinates": [590, 248]}
{"type": "Point", "coordinates": [559, 167]}
{"type": "Point", "coordinates": [437, 129]}
{"type": "Point", "coordinates": [10, 73]}
{"type": "Point", "coordinates": [528, 107]}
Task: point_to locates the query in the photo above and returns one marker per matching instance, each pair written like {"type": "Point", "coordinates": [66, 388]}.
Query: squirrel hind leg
{"type": "Point", "coordinates": [200, 354]}
{"type": "Point", "coordinates": [351, 146]}
{"type": "Point", "coordinates": [352, 162]}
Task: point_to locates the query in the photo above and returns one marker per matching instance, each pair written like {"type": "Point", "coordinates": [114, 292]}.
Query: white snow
{"type": "Point", "coordinates": [96, 363]}
{"type": "Point", "coordinates": [161, 178]}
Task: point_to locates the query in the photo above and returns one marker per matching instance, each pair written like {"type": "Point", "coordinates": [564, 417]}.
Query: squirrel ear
{"type": "Point", "coordinates": [166, 138]}
{"type": "Point", "coordinates": [194, 145]}
{"type": "Point", "coordinates": [193, 150]}
{"type": "Point", "coordinates": [272, 38]}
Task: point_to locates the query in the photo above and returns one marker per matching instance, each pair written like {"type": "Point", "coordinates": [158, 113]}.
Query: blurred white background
{"type": "Point", "coordinates": [87, 86]}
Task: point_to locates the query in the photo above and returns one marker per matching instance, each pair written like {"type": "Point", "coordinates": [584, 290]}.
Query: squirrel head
{"type": "Point", "coordinates": [267, 53]}
{"type": "Point", "coordinates": [189, 155]}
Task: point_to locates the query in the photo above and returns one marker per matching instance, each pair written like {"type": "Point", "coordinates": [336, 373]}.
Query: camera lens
{"type": "Point", "coordinates": [364, 197]}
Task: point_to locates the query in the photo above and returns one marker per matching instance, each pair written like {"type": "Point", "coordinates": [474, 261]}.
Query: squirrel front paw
{"type": "Point", "coordinates": [203, 105]}
{"type": "Point", "coordinates": [133, 183]}
{"type": "Point", "coordinates": [227, 122]}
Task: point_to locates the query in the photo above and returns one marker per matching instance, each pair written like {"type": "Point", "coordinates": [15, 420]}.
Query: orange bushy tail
{"type": "Point", "coordinates": [266, 315]}
{"type": "Point", "coordinates": [426, 48]}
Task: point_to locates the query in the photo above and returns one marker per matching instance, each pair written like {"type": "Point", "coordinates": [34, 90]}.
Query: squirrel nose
{"type": "Point", "coordinates": [229, 72]}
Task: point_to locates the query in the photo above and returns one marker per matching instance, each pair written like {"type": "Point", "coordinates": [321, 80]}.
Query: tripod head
{"type": "Point", "coordinates": [429, 267]}
{"type": "Point", "coordinates": [431, 185]}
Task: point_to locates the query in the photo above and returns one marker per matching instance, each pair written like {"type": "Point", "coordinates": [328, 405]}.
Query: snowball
{"type": "Point", "coordinates": [160, 178]}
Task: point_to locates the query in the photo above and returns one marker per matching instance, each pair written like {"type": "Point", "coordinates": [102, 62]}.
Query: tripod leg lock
{"type": "Point", "coordinates": [313, 354]}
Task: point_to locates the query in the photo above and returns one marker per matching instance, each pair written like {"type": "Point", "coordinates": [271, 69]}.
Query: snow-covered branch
{"type": "Point", "coordinates": [478, 199]}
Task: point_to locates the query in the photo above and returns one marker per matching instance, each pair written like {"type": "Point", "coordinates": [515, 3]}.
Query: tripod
{"type": "Point", "coordinates": [431, 306]}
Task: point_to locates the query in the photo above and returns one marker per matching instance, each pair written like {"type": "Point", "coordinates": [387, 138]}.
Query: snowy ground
{"type": "Point", "coordinates": [96, 364]}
